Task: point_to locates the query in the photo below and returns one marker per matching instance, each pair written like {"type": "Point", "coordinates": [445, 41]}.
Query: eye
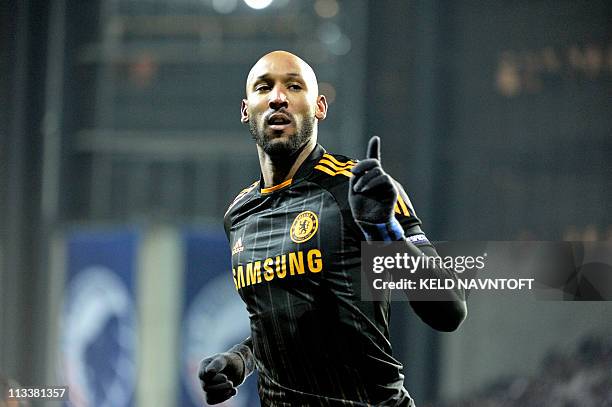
{"type": "Point", "coordinates": [262, 88]}
{"type": "Point", "coordinates": [295, 86]}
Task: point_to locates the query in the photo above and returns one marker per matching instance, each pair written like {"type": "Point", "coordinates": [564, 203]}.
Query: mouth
{"type": "Point", "coordinates": [278, 121]}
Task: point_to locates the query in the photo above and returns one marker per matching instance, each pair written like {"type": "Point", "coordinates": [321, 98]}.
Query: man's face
{"type": "Point", "coordinates": [282, 104]}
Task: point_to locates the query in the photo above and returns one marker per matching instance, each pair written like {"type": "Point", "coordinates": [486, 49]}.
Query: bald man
{"type": "Point", "coordinates": [295, 237]}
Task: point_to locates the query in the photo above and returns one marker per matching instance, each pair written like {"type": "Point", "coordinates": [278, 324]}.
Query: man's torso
{"type": "Point", "coordinates": [296, 265]}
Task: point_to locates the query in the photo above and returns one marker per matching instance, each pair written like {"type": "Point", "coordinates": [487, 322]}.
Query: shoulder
{"type": "Point", "coordinates": [332, 165]}
{"type": "Point", "coordinates": [403, 206]}
{"type": "Point", "coordinates": [235, 207]}
{"type": "Point", "coordinates": [332, 172]}
{"type": "Point", "coordinates": [242, 196]}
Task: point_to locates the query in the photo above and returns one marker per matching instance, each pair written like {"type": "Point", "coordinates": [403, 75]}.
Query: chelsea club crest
{"type": "Point", "coordinates": [304, 227]}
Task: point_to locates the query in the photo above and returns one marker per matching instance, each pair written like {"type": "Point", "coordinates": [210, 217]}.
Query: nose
{"type": "Point", "coordinates": [278, 98]}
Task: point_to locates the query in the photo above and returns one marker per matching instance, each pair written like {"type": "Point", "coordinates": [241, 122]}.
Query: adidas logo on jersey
{"type": "Point", "coordinates": [238, 247]}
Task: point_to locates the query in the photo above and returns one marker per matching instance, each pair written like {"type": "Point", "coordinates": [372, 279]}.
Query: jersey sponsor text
{"type": "Point", "coordinates": [292, 263]}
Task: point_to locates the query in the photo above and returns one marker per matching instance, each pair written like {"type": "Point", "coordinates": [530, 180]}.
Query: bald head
{"type": "Point", "coordinates": [282, 105]}
{"type": "Point", "coordinates": [282, 62]}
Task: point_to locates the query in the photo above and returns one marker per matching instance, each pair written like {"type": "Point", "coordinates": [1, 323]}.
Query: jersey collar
{"type": "Point", "coordinates": [302, 172]}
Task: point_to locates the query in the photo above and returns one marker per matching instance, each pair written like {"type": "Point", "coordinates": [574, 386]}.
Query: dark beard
{"type": "Point", "coordinates": [288, 148]}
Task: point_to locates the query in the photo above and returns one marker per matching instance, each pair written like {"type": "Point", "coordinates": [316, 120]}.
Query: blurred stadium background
{"type": "Point", "coordinates": [121, 146]}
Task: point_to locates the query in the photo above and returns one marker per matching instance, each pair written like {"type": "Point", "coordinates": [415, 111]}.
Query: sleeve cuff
{"type": "Point", "coordinates": [382, 232]}
{"type": "Point", "coordinates": [246, 355]}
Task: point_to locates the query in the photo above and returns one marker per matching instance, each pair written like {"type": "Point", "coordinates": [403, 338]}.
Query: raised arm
{"type": "Point", "coordinates": [372, 198]}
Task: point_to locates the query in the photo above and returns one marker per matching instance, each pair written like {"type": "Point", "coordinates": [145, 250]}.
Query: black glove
{"type": "Point", "coordinates": [372, 197]}
{"type": "Point", "coordinates": [221, 374]}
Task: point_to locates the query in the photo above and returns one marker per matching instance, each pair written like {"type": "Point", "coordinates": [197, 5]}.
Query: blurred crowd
{"type": "Point", "coordinates": [582, 378]}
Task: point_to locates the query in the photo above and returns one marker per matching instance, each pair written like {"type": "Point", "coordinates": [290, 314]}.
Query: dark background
{"type": "Point", "coordinates": [495, 116]}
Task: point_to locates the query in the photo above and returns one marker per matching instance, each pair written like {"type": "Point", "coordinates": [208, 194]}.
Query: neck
{"type": "Point", "coordinates": [277, 169]}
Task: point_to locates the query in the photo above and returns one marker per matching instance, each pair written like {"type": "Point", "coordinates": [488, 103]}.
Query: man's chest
{"type": "Point", "coordinates": [289, 236]}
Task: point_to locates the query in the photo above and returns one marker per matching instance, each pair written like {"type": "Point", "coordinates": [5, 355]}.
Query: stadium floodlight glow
{"type": "Point", "coordinates": [258, 4]}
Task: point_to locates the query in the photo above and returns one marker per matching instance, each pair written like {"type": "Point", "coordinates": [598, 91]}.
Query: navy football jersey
{"type": "Point", "coordinates": [296, 265]}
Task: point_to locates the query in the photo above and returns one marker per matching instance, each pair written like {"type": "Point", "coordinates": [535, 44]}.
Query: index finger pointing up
{"type": "Point", "coordinates": [374, 148]}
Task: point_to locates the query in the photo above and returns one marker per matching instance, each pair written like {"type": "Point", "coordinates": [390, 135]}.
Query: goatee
{"type": "Point", "coordinates": [286, 148]}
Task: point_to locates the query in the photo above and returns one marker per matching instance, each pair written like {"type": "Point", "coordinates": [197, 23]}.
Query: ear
{"type": "Point", "coordinates": [244, 115]}
{"type": "Point", "coordinates": [321, 109]}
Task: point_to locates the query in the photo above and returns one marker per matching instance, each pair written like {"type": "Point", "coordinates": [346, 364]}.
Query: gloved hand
{"type": "Point", "coordinates": [372, 197]}
{"type": "Point", "coordinates": [220, 375]}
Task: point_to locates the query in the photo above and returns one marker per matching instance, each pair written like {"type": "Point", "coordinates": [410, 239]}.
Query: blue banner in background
{"type": "Point", "coordinates": [214, 316]}
{"type": "Point", "coordinates": [98, 328]}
